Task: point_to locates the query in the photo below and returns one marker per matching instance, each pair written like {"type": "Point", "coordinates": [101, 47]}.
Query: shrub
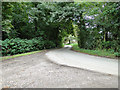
{"type": "Point", "coordinates": [17, 45]}
{"type": "Point", "coordinates": [117, 54]}
{"type": "Point", "coordinates": [49, 44]}
{"type": "Point", "coordinates": [107, 44]}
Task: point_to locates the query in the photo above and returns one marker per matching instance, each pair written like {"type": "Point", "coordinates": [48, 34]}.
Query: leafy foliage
{"type": "Point", "coordinates": [96, 25]}
{"type": "Point", "coordinates": [17, 45]}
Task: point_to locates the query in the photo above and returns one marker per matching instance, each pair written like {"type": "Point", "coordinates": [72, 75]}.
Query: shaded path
{"type": "Point", "coordinates": [36, 71]}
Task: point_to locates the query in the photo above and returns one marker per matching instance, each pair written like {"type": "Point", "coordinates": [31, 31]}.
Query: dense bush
{"type": "Point", "coordinates": [111, 46]}
{"type": "Point", "coordinates": [117, 54]}
{"type": "Point", "coordinates": [17, 45]}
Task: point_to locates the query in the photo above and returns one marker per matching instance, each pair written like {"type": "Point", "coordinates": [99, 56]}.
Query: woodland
{"type": "Point", "coordinates": [33, 26]}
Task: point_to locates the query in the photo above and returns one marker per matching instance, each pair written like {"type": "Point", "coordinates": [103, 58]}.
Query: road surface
{"type": "Point", "coordinates": [37, 71]}
{"type": "Point", "coordinates": [65, 56]}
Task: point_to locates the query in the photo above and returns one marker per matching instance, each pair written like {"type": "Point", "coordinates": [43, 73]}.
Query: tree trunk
{"type": "Point", "coordinates": [105, 36]}
{"type": "Point", "coordinates": [69, 41]}
{"type": "Point", "coordinates": [35, 21]}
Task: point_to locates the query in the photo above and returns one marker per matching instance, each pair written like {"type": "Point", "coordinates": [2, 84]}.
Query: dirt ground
{"type": "Point", "coordinates": [37, 71]}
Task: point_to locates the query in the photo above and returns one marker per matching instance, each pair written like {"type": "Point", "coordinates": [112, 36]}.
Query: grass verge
{"type": "Point", "coordinates": [102, 53]}
{"type": "Point", "coordinates": [18, 55]}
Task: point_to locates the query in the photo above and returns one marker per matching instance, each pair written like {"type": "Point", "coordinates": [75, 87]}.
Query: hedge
{"type": "Point", "coordinates": [18, 46]}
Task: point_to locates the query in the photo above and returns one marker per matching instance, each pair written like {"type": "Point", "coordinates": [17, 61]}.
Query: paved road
{"type": "Point", "coordinates": [37, 71]}
{"type": "Point", "coordinates": [65, 56]}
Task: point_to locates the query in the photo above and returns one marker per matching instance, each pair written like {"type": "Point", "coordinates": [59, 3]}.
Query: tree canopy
{"type": "Point", "coordinates": [97, 24]}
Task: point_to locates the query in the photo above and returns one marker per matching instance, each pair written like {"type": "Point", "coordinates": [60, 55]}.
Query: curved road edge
{"type": "Point", "coordinates": [67, 57]}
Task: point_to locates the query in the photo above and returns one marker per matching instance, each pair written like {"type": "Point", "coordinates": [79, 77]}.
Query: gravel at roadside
{"type": "Point", "coordinates": [36, 71]}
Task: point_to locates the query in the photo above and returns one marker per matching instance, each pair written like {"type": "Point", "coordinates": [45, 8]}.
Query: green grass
{"type": "Point", "coordinates": [102, 53]}
{"type": "Point", "coordinates": [18, 55]}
